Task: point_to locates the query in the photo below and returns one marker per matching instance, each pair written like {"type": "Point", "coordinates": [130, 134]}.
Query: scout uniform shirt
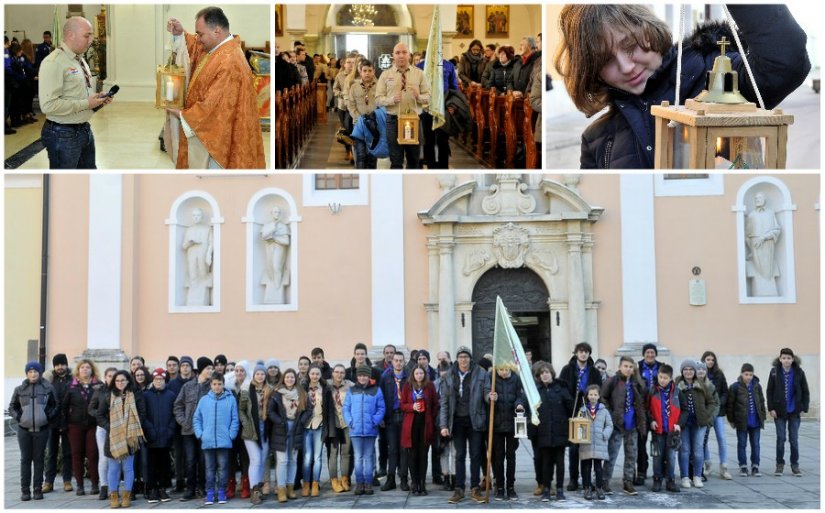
{"type": "Point", "coordinates": [65, 87]}
{"type": "Point", "coordinates": [361, 100]}
{"type": "Point", "coordinates": [390, 83]}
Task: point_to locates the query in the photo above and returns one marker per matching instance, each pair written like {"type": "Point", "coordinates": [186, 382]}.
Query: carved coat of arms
{"type": "Point", "coordinates": [510, 245]}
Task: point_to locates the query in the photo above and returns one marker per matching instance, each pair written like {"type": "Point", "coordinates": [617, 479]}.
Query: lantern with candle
{"type": "Point", "coordinates": [720, 129]}
{"type": "Point", "coordinates": [170, 90]}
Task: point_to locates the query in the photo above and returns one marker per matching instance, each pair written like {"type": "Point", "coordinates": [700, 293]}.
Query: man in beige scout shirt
{"type": "Point", "coordinates": [402, 88]}
{"type": "Point", "coordinates": [361, 100]}
{"type": "Point", "coordinates": [67, 99]}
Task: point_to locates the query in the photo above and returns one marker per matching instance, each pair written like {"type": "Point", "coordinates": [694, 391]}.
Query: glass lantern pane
{"type": "Point", "coordinates": [740, 153]}
{"type": "Point", "coordinates": [681, 147]}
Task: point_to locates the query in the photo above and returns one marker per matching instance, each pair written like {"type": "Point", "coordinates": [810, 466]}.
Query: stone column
{"type": "Point", "coordinates": [432, 294]}
{"type": "Point", "coordinates": [105, 269]}
{"type": "Point", "coordinates": [560, 345]}
{"type": "Point", "coordinates": [446, 290]}
{"type": "Point", "coordinates": [575, 289]}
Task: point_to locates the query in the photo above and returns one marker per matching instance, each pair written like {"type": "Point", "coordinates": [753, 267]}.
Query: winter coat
{"type": "Point", "coordinates": [175, 385]}
{"type": "Point", "coordinates": [534, 96]}
{"type": "Point", "coordinates": [471, 68]}
{"type": "Point", "coordinates": [522, 71]}
{"type": "Point", "coordinates": [457, 122]}
{"type": "Point", "coordinates": [555, 411]}
{"type": "Point", "coordinates": [34, 405]}
{"type": "Point", "coordinates": [324, 419]}
{"type": "Point", "coordinates": [487, 76]}
{"type": "Point", "coordinates": [570, 373]}
{"type": "Point", "coordinates": [372, 129]}
{"type": "Point", "coordinates": [501, 76]}
{"type": "Point", "coordinates": [159, 426]}
{"type": "Point", "coordinates": [510, 395]}
{"type": "Point", "coordinates": [614, 395]}
{"type": "Point", "coordinates": [60, 386]}
{"type": "Point", "coordinates": [718, 379]}
{"type": "Point", "coordinates": [678, 402]}
{"type": "Point", "coordinates": [625, 136]}
{"type": "Point", "coordinates": [94, 404]}
{"type": "Point", "coordinates": [705, 401]}
{"type": "Point", "coordinates": [187, 402]}
{"type": "Point", "coordinates": [216, 421]}
{"type": "Point", "coordinates": [279, 422]}
{"type": "Point", "coordinates": [250, 416]}
{"type": "Point", "coordinates": [364, 410]}
{"type": "Point", "coordinates": [387, 384]}
{"type": "Point", "coordinates": [334, 432]}
{"type": "Point", "coordinates": [776, 389]}
{"type": "Point", "coordinates": [430, 414]}
{"type": "Point", "coordinates": [103, 417]}
{"type": "Point", "coordinates": [737, 407]}
{"type": "Point", "coordinates": [449, 397]}
{"type": "Point", "coordinates": [600, 430]}
{"type": "Point", "coordinates": [75, 407]}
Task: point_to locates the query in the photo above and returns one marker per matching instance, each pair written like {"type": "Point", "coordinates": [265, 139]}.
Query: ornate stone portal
{"type": "Point", "coordinates": [546, 229]}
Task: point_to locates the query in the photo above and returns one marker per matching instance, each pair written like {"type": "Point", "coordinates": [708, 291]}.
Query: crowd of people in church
{"type": "Point", "coordinates": [252, 428]}
{"type": "Point", "coordinates": [21, 62]}
{"type": "Point", "coordinates": [355, 90]}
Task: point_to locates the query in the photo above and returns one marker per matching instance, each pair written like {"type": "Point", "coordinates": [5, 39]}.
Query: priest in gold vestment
{"type": "Point", "coordinates": [219, 127]}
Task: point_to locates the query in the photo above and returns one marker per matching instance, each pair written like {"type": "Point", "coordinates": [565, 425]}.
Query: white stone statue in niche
{"type": "Point", "coordinates": [197, 243]}
{"type": "Point", "coordinates": [761, 235]}
{"type": "Point", "coordinates": [275, 236]}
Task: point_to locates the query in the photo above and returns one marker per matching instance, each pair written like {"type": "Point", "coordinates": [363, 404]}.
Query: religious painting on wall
{"type": "Point", "coordinates": [498, 20]}
{"type": "Point", "coordinates": [464, 22]}
{"type": "Point", "coordinates": [279, 20]}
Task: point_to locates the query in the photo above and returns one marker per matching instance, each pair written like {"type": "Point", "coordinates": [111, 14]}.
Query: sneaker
{"type": "Point", "coordinates": [221, 497]}
{"type": "Point", "coordinates": [685, 482]}
{"type": "Point", "coordinates": [458, 496]}
{"type": "Point", "coordinates": [477, 496]}
{"type": "Point", "coordinates": [499, 494]}
{"type": "Point", "coordinates": [152, 497]}
{"type": "Point", "coordinates": [780, 469]}
{"type": "Point", "coordinates": [600, 494]}
{"type": "Point", "coordinates": [26, 496]}
{"type": "Point", "coordinates": [697, 482]}
{"type": "Point", "coordinates": [607, 490]}
{"type": "Point", "coordinates": [723, 472]}
{"type": "Point", "coordinates": [796, 471]}
{"type": "Point", "coordinates": [672, 487]}
{"type": "Point", "coordinates": [560, 496]}
{"type": "Point", "coordinates": [164, 497]}
{"type": "Point", "coordinates": [628, 488]}
{"type": "Point", "coordinates": [511, 494]}
{"type": "Point", "coordinates": [210, 497]}
{"type": "Point", "coordinates": [743, 472]}
{"type": "Point", "coordinates": [706, 467]}
{"type": "Point", "coordinates": [755, 472]}
{"type": "Point", "coordinates": [657, 485]}
{"type": "Point", "coordinates": [545, 497]}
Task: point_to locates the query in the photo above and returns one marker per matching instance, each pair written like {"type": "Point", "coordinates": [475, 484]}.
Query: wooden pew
{"type": "Point", "coordinates": [295, 117]}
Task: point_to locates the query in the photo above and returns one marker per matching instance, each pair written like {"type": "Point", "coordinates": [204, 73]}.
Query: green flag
{"type": "Point", "coordinates": [57, 30]}
{"type": "Point", "coordinates": [507, 352]}
{"type": "Point", "coordinates": [434, 71]}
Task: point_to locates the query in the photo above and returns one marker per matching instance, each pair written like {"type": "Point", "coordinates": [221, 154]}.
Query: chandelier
{"type": "Point", "coordinates": [362, 14]}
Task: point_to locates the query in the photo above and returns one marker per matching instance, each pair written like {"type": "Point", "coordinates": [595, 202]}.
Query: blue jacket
{"type": "Point", "coordinates": [366, 129]}
{"type": "Point", "coordinates": [216, 421]}
{"type": "Point", "coordinates": [450, 80]}
{"type": "Point", "coordinates": [159, 427]}
{"type": "Point", "coordinates": [624, 137]}
{"type": "Point", "coordinates": [364, 410]}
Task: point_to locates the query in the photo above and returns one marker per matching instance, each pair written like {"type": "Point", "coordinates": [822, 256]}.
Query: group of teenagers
{"type": "Point", "coordinates": [209, 422]}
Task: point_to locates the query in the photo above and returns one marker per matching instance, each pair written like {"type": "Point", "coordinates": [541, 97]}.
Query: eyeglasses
{"type": "Point", "coordinates": [121, 381]}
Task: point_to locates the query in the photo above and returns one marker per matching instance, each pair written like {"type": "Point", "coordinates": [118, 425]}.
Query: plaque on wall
{"type": "Point", "coordinates": [698, 293]}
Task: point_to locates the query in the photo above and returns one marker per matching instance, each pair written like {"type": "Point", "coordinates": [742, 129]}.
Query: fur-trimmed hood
{"type": "Point", "coordinates": [797, 362]}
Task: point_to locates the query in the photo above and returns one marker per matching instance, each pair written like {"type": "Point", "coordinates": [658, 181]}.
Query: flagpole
{"type": "Point", "coordinates": [490, 438]}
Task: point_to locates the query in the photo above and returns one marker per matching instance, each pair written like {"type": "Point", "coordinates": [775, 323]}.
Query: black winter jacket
{"type": "Point", "coordinates": [737, 406]}
{"type": "Point", "coordinates": [510, 395]}
{"type": "Point", "coordinates": [776, 389]}
{"type": "Point", "coordinates": [159, 426]}
{"type": "Point", "coordinates": [75, 407]}
{"type": "Point", "coordinates": [569, 375]}
{"type": "Point", "coordinates": [522, 72]}
{"type": "Point", "coordinates": [60, 385]}
{"type": "Point", "coordinates": [501, 76]}
{"type": "Point", "coordinates": [717, 377]}
{"type": "Point", "coordinates": [554, 412]}
{"type": "Point", "coordinates": [624, 137]}
{"type": "Point", "coordinates": [277, 415]}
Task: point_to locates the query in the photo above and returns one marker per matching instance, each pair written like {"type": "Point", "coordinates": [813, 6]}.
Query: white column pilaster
{"type": "Point", "coordinates": [387, 253]}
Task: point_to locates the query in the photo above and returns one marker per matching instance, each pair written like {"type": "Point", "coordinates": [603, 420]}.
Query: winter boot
{"type": "Point", "coordinates": [231, 486]}
{"type": "Point", "coordinates": [256, 496]}
{"type": "Point", "coordinates": [672, 487]}
{"type": "Point", "coordinates": [305, 489]}
{"type": "Point", "coordinates": [104, 493]}
{"type": "Point", "coordinates": [245, 491]}
{"type": "Point", "coordinates": [657, 485]}
{"type": "Point", "coordinates": [335, 484]}
{"type": "Point", "coordinates": [422, 488]}
{"type": "Point", "coordinates": [316, 489]}
{"type": "Point", "coordinates": [405, 486]}
{"type": "Point", "coordinates": [457, 497]}
{"type": "Point", "coordinates": [345, 484]}
{"type": "Point", "coordinates": [114, 501]}
{"type": "Point", "coordinates": [368, 488]}
{"type": "Point", "coordinates": [282, 494]}
{"type": "Point", "coordinates": [600, 494]}
{"type": "Point", "coordinates": [588, 493]}
{"type": "Point", "coordinates": [125, 499]}
{"type": "Point", "coordinates": [389, 484]}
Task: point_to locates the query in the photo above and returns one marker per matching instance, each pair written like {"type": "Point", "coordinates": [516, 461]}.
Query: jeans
{"type": "Point", "coordinates": [397, 461]}
{"type": "Point", "coordinates": [32, 450]}
{"type": "Point", "coordinates": [287, 464]}
{"type": "Point", "coordinates": [194, 462]}
{"type": "Point", "coordinates": [364, 450]}
{"type": "Point", "coordinates": [692, 439]}
{"type": "Point", "coordinates": [69, 146]}
{"type": "Point", "coordinates": [257, 460]}
{"type": "Point", "coordinates": [587, 474]}
{"type": "Point", "coordinates": [313, 449]}
{"type": "Point", "coordinates": [719, 429]}
{"type": "Point", "coordinates": [464, 434]}
{"type": "Point", "coordinates": [127, 464]}
{"type": "Point", "coordinates": [340, 449]}
{"type": "Point", "coordinates": [102, 460]}
{"type": "Point", "coordinates": [58, 440]}
{"type": "Point", "coordinates": [217, 462]}
{"type": "Point", "coordinates": [500, 440]}
{"type": "Point", "coordinates": [742, 436]}
{"type": "Point", "coordinates": [787, 425]}
{"type": "Point", "coordinates": [617, 438]}
{"type": "Point", "coordinates": [398, 151]}
{"type": "Point", "coordinates": [84, 447]}
{"type": "Point", "coordinates": [363, 159]}
{"type": "Point", "coordinates": [664, 465]}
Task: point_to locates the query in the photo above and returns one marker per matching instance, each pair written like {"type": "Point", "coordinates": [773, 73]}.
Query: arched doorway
{"type": "Point", "coordinates": [526, 298]}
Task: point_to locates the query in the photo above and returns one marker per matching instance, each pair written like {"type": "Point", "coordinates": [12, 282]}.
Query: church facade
{"type": "Point", "coordinates": [270, 266]}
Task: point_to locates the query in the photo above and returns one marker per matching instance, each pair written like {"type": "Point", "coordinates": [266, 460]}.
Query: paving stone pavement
{"type": "Point", "coordinates": [768, 492]}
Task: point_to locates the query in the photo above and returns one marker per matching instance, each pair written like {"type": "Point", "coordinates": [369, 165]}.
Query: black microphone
{"type": "Point", "coordinates": [111, 93]}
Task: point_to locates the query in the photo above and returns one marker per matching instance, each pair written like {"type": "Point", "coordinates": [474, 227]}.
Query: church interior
{"type": "Point", "coordinates": [502, 127]}
{"type": "Point", "coordinates": [130, 42]}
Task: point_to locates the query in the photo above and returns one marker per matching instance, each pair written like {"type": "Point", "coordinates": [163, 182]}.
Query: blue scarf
{"type": "Point", "coordinates": [629, 410]}
{"type": "Point", "coordinates": [581, 379]}
{"type": "Point", "coordinates": [753, 420]}
{"type": "Point", "coordinates": [665, 397]}
{"type": "Point", "coordinates": [790, 404]}
{"type": "Point", "coordinates": [649, 373]}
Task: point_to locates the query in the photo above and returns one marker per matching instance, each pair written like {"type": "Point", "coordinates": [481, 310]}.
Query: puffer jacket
{"type": "Point", "coordinates": [776, 389]}
{"type": "Point", "coordinates": [677, 406]}
{"type": "Point", "coordinates": [364, 410]}
{"type": "Point", "coordinates": [501, 76]}
{"type": "Point", "coordinates": [601, 428]}
{"type": "Point", "coordinates": [187, 402]}
{"type": "Point", "coordinates": [510, 395]}
{"type": "Point", "coordinates": [705, 401]}
{"type": "Point", "coordinates": [554, 412]}
{"type": "Point", "coordinates": [159, 426]}
{"type": "Point", "coordinates": [449, 397]}
{"type": "Point", "coordinates": [34, 405]}
{"type": "Point", "coordinates": [570, 374]}
{"type": "Point", "coordinates": [94, 403]}
{"type": "Point", "coordinates": [276, 414]}
{"type": "Point", "coordinates": [216, 421]}
{"type": "Point", "coordinates": [625, 136]}
{"type": "Point", "coordinates": [614, 395]}
{"type": "Point", "coordinates": [60, 385]}
{"type": "Point", "coordinates": [75, 404]}
{"type": "Point", "coordinates": [717, 377]}
{"type": "Point", "coordinates": [737, 407]}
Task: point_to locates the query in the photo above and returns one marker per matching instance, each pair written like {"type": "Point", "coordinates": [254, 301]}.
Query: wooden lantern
{"type": "Point", "coordinates": [578, 430]}
{"type": "Point", "coordinates": [520, 425]}
{"type": "Point", "coordinates": [170, 89]}
{"type": "Point", "coordinates": [720, 129]}
{"type": "Point", "coordinates": [408, 128]}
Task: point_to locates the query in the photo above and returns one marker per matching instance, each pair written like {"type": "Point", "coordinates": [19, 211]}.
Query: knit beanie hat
{"type": "Point", "coordinates": [187, 359]}
{"type": "Point", "coordinates": [363, 370]}
{"type": "Point", "coordinates": [272, 362]}
{"type": "Point", "coordinates": [258, 367]}
{"type": "Point", "coordinates": [204, 362]}
{"type": "Point", "coordinates": [220, 360]}
{"type": "Point", "coordinates": [34, 365]}
{"type": "Point", "coordinates": [424, 353]}
{"type": "Point", "coordinates": [159, 372]}
{"type": "Point", "coordinates": [701, 366]}
{"type": "Point", "coordinates": [464, 349]}
{"type": "Point", "coordinates": [688, 362]}
{"type": "Point", "coordinates": [746, 367]}
{"type": "Point", "coordinates": [650, 346]}
{"type": "Point", "coordinates": [60, 359]}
